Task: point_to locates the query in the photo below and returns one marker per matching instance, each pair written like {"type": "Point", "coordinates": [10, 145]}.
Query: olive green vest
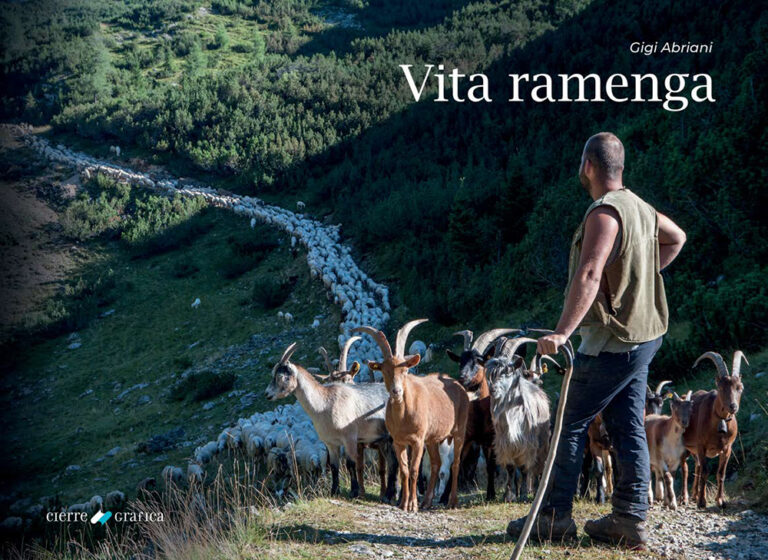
{"type": "Point", "coordinates": [630, 302]}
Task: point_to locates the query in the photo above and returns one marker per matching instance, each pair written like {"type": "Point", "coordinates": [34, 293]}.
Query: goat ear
{"type": "Point", "coordinates": [412, 361]}
{"type": "Point", "coordinates": [453, 356]}
{"type": "Point", "coordinates": [355, 369]}
{"type": "Point", "coordinates": [489, 353]}
{"type": "Point", "coordinates": [373, 366]}
{"type": "Point", "coordinates": [667, 395]}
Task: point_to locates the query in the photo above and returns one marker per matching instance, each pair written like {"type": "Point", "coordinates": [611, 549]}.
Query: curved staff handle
{"type": "Point", "coordinates": [520, 544]}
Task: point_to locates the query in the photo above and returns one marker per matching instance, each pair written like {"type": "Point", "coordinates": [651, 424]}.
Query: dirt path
{"type": "Point", "coordinates": [343, 529]}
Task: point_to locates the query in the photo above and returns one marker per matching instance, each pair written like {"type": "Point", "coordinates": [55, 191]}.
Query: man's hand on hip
{"type": "Point", "coordinates": [550, 343]}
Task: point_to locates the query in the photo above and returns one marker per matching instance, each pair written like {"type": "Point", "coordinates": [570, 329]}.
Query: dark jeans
{"type": "Point", "coordinates": [616, 385]}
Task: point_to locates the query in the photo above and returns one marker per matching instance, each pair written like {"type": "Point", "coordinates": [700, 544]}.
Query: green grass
{"type": "Point", "coordinates": [152, 337]}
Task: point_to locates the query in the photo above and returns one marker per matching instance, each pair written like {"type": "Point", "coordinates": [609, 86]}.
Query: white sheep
{"type": "Point", "coordinates": [195, 473]}
{"type": "Point", "coordinates": [172, 475]}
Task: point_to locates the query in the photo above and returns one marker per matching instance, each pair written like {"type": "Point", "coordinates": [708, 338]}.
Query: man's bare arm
{"type": "Point", "coordinates": [671, 240]}
{"type": "Point", "coordinates": [600, 231]}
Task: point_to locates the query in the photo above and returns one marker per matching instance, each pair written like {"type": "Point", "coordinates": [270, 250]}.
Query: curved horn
{"type": "Point", "coordinates": [485, 339]}
{"type": "Point", "coordinates": [379, 337]}
{"type": "Point", "coordinates": [288, 353]}
{"type": "Point", "coordinates": [345, 352]}
{"type": "Point", "coordinates": [324, 353]}
{"type": "Point", "coordinates": [467, 335]}
{"type": "Point", "coordinates": [510, 346]}
{"type": "Point", "coordinates": [688, 396]}
{"type": "Point", "coordinates": [660, 386]}
{"type": "Point", "coordinates": [402, 335]}
{"type": "Point", "coordinates": [736, 367]}
{"type": "Point", "coordinates": [722, 369]}
{"type": "Point", "coordinates": [321, 377]}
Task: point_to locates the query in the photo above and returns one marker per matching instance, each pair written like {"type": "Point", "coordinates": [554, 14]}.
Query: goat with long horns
{"type": "Point", "coordinates": [421, 411]}
{"type": "Point", "coordinates": [713, 426]}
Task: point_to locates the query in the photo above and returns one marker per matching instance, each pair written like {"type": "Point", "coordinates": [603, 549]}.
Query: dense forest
{"type": "Point", "coordinates": [465, 209]}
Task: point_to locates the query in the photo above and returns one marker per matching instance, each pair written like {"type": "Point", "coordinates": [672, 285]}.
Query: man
{"type": "Point", "coordinates": [616, 295]}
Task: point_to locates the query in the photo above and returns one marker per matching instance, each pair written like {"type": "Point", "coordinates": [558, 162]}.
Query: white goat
{"type": "Point", "coordinates": [343, 414]}
{"type": "Point", "coordinates": [520, 412]}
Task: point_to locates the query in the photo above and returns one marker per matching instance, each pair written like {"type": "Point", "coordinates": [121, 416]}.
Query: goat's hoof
{"type": "Point", "coordinates": [702, 505]}
{"type": "Point", "coordinates": [721, 503]}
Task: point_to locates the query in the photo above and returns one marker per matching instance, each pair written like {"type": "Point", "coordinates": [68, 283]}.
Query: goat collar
{"type": "Point", "coordinates": [716, 409]}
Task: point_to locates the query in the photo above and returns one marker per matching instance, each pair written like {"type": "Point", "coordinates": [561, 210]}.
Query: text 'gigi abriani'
{"type": "Point", "coordinates": [674, 91]}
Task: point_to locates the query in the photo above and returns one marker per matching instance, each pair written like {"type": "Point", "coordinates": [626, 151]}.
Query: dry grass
{"type": "Point", "coordinates": [235, 516]}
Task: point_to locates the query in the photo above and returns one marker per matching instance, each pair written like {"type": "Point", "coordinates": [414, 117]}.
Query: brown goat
{"type": "Point", "coordinates": [665, 447]}
{"type": "Point", "coordinates": [713, 427]}
{"type": "Point", "coordinates": [339, 374]}
{"type": "Point", "coordinates": [421, 411]}
{"type": "Point", "coordinates": [479, 422]}
{"type": "Point", "coordinates": [597, 456]}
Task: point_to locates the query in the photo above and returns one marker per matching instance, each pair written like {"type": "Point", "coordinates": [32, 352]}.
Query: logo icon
{"type": "Point", "coordinates": [101, 517]}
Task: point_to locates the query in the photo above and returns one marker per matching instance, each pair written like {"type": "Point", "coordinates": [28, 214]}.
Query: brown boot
{"type": "Point", "coordinates": [618, 530]}
{"type": "Point", "coordinates": [546, 527]}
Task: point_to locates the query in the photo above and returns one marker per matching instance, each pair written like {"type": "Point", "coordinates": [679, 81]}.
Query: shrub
{"type": "Point", "coordinates": [203, 385]}
{"type": "Point", "coordinates": [80, 302]}
{"type": "Point", "coordinates": [98, 209]}
{"type": "Point", "coordinates": [271, 292]}
{"type": "Point", "coordinates": [158, 213]}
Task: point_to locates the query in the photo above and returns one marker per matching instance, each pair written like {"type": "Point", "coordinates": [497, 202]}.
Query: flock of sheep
{"type": "Point", "coordinates": [497, 405]}
{"type": "Point", "coordinates": [362, 300]}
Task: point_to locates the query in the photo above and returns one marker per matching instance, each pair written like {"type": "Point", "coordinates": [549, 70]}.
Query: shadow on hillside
{"type": "Point", "coordinates": [310, 534]}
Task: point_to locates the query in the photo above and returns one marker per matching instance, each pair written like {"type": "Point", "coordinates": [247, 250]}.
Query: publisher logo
{"type": "Point", "coordinates": [101, 517]}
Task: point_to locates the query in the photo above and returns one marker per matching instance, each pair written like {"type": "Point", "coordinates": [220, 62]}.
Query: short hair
{"type": "Point", "coordinates": [606, 152]}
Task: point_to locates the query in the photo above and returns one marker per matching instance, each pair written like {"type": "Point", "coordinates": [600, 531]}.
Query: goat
{"type": "Point", "coordinates": [654, 400]}
{"type": "Point", "coordinates": [421, 411]}
{"type": "Point", "coordinates": [520, 412]}
{"type": "Point", "coordinates": [479, 423]}
{"type": "Point", "coordinates": [342, 374]}
{"type": "Point", "coordinates": [443, 477]}
{"type": "Point", "coordinates": [343, 414]}
{"type": "Point", "coordinates": [598, 461]}
{"type": "Point", "coordinates": [713, 427]}
{"type": "Point", "coordinates": [665, 446]}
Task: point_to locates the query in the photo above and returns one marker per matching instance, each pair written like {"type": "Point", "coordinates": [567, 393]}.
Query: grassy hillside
{"type": "Point", "coordinates": [118, 355]}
